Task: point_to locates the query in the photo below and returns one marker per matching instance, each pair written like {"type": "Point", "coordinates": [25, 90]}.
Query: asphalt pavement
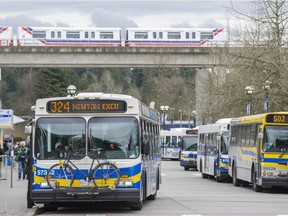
{"type": "Point", "coordinates": [13, 194]}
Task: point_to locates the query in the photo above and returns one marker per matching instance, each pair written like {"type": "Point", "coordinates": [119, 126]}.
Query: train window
{"type": "Point", "coordinates": [141, 35]}
{"type": "Point", "coordinates": [193, 35]}
{"type": "Point", "coordinates": [92, 34]}
{"type": "Point", "coordinates": [39, 34]}
{"type": "Point", "coordinates": [59, 34]}
{"type": "Point", "coordinates": [160, 35]}
{"type": "Point", "coordinates": [154, 35]}
{"type": "Point", "coordinates": [174, 35]}
{"type": "Point", "coordinates": [52, 34]}
{"type": "Point", "coordinates": [72, 34]}
{"type": "Point", "coordinates": [106, 35]}
{"type": "Point", "coordinates": [187, 35]}
{"type": "Point", "coordinates": [86, 35]}
{"type": "Point", "coordinates": [206, 35]}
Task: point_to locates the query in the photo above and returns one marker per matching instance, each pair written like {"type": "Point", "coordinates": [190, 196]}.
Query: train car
{"type": "Point", "coordinates": [6, 36]}
{"type": "Point", "coordinates": [68, 36]}
{"type": "Point", "coordinates": [175, 37]}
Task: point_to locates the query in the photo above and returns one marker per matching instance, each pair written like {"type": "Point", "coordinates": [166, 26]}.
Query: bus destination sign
{"type": "Point", "coordinates": [86, 106]}
{"type": "Point", "coordinates": [277, 118]}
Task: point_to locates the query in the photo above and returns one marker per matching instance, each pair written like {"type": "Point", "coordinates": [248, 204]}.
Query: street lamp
{"type": "Point", "coordinates": [180, 117]}
{"type": "Point", "coordinates": [249, 91]}
{"type": "Point", "coordinates": [71, 90]}
{"type": "Point", "coordinates": [194, 117]}
{"type": "Point", "coordinates": [164, 109]}
{"type": "Point", "coordinates": [266, 86]}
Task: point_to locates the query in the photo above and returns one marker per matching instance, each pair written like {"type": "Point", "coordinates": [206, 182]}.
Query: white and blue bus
{"type": "Point", "coordinates": [171, 143]}
{"type": "Point", "coordinates": [212, 159]}
{"type": "Point", "coordinates": [89, 121]}
{"type": "Point", "coordinates": [188, 158]}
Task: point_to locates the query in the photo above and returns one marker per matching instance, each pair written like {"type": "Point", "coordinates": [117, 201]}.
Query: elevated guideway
{"type": "Point", "coordinates": [48, 57]}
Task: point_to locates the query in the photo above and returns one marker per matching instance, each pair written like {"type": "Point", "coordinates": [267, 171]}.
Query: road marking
{"type": "Point", "coordinates": [198, 174]}
{"type": "Point", "coordinates": [191, 215]}
{"type": "Point", "coordinates": [96, 215]}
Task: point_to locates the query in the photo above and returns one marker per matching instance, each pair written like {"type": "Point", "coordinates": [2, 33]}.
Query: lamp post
{"type": "Point", "coordinates": [164, 109]}
{"type": "Point", "coordinates": [71, 90]}
{"type": "Point", "coordinates": [194, 117]}
{"type": "Point", "coordinates": [180, 117]}
{"type": "Point", "coordinates": [249, 91]}
{"type": "Point", "coordinates": [266, 86]}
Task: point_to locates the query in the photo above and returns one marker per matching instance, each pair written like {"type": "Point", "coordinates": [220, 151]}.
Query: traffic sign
{"type": "Point", "coordinates": [6, 118]}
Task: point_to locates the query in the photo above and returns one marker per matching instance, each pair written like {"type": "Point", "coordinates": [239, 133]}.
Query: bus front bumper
{"type": "Point", "coordinates": [76, 195]}
{"type": "Point", "coordinates": [188, 163]}
{"type": "Point", "coordinates": [275, 181]}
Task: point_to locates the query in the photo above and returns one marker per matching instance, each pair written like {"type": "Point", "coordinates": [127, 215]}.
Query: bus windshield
{"type": "Point", "coordinates": [117, 136]}
{"type": "Point", "coordinates": [224, 143]}
{"type": "Point", "coordinates": [189, 143]}
{"type": "Point", "coordinates": [275, 139]}
{"type": "Point", "coordinates": [56, 136]}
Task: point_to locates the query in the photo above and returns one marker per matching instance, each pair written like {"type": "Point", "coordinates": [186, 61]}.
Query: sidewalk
{"type": "Point", "coordinates": [13, 200]}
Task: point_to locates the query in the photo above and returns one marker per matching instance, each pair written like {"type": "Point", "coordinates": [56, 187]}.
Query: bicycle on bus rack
{"type": "Point", "coordinates": [104, 175]}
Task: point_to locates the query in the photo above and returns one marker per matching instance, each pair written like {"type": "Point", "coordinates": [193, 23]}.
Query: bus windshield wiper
{"type": "Point", "coordinates": [284, 152]}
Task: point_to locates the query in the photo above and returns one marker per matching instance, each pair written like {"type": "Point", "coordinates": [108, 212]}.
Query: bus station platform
{"type": "Point", "coordinates": [13, 193]}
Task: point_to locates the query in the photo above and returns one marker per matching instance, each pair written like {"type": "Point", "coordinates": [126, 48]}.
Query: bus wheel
{"type": "Point", "coordinates": [236, 181]}
{"type": "Point", "coordinates": [204, 176]}
{"type": "Point", "coordinates": [186, 168]}
{"type": "Point", "coordinates": [50, 207]}
{"type": "Point", "coordinates": [257, 188]}
{"type": "Point", "coordinates": [138, 204]}
{"type": "Point", "coordinates": [152, 197]}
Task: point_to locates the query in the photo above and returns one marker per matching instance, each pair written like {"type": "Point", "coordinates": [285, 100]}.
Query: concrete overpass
{"type": "Point", "coordinates": [109, 56]}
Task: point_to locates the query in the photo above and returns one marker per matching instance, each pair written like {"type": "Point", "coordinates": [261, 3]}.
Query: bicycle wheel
{"type": "Point", "coordinates": [106, 175]}
{"type": "Point", "coordinates": [60, 176]}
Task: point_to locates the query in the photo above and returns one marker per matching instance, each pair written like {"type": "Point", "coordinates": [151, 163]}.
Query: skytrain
{"type": "Point", "coordinates": [135, 37]}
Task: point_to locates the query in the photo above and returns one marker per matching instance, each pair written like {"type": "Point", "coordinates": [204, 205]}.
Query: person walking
{"type": "Point", "coordinates": [21, 158]}
{"type": "Point", "coordinates": [1, 159]}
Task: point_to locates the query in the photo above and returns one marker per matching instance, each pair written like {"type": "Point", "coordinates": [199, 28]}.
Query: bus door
{"type": "Point", "coordinates": [257, 131]}
{"type": "Point", "coordinates": [206, 152]}
{"type": "Point", "coordinates": [218, 152]}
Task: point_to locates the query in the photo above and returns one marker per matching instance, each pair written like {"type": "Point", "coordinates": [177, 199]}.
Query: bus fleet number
{"type": "Point", "coordinates": [279, 119]}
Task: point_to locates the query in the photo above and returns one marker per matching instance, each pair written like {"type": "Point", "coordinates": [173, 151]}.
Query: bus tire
{"type": "Point", "coordinates": [186, 168]}
{"type": "Point", "coordinates": [50, 207]}
{"type": "Point", "coordinates": [152, 196]}
{"type": "Point", "coordinates": [236, 182]}
{"type": "Point", "coordinates": [256, 187]}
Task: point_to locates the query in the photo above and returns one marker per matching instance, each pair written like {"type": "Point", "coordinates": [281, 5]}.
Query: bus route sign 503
{"type": "Point", "coordinates": [277, 118]}
{"type": "Point", "coordinates": [85, 106]}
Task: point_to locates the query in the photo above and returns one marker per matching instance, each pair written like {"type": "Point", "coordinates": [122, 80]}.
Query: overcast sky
{"type": "Point", "coordinates": [118, 13]}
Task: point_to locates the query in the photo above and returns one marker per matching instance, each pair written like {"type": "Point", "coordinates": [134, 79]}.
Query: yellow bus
{"type": "Point", "coordinates": [258, 150]}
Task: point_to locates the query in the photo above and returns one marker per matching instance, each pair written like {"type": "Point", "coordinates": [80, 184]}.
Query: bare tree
{"type": "Point", "coordinates": [260, 54]}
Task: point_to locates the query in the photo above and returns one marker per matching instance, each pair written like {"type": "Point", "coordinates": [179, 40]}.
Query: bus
{"type": "Point", "coordinates": [126, 129]}
{"type": "Point", "coordinates": [212, 159]}
{"type": "Point", "coordinates": [170, 143]}
{"type": "Point", "coordinates": [258, 150]}
{"type": "Point", "coordinates": [188, 158]}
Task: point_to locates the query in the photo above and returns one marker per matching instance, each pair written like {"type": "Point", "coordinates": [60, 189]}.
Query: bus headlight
{"type": "Point", "coordinates": [44, 184]}
{"type": "Point", "coordinates": [125, 183]}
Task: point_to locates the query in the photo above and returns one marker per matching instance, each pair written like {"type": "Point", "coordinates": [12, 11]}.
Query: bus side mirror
{"type": "Point", "coordinates": [260, 135]}
{"type": "Point", "coordinates": [28, 129]}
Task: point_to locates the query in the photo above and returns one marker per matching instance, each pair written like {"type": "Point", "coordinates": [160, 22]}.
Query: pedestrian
{"type": "Point", "coordinates": [1, 159]}
{"type": "Point", "coordinates": [21, 158]}
{"type": "Point", "coordinates": [15, 150]}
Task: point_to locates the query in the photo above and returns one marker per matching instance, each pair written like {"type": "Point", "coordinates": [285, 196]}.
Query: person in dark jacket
{"type": "Point", "coordinates": [1, 160]}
